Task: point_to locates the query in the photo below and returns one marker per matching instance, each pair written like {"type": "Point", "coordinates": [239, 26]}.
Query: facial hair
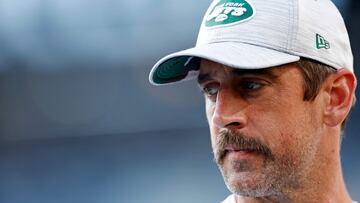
{"type": "Point", "coordinates": [271, 178]}
{"type": "Point", "coordinates": [239, 141]}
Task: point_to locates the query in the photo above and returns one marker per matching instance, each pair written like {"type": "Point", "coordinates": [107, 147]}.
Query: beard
{"type": "Point", "coordinates": [263, 174]}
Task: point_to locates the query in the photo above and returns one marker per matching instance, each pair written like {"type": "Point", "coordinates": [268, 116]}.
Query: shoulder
{"type": "Point", "coordinates": [229, 199]}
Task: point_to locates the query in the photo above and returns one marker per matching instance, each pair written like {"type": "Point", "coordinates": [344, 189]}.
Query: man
{"type": "Point", "coordinates": [278, 81]}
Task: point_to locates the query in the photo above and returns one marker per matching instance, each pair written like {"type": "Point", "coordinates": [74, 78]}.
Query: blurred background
{"type": "Point", "coordinates": [80, 123]}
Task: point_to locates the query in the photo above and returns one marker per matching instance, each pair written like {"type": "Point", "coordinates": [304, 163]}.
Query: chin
{"type": "Point", "coordinates": [249, 184]}
{"type": "Point", "coordinates": [247, 190]}
{"type": "Point", "coordinates": [245, 185]}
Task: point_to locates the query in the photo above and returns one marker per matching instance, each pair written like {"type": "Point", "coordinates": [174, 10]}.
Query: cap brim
{"type": "Point", "coordinates": [176, 67]}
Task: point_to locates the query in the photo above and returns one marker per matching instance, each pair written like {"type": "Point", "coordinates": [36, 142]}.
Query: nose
{"type": "Point", "coordinates": [230, 110]}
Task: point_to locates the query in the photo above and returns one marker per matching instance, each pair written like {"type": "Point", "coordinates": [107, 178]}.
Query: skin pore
{"type": "Point", "coordinates": [270, 144]}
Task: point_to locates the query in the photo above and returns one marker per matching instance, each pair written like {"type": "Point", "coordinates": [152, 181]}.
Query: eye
{"type": "Point", "coordinates": [210, 91]}
{"type": "Point", "coordinates": [250, 85]}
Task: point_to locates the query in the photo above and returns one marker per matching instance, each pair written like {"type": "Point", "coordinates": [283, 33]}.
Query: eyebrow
{"type": "Point", "coordinates": [203, 77]}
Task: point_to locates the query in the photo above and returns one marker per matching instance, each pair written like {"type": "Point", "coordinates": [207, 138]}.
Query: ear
{"type": "Point", "coordinates": [341, 89]}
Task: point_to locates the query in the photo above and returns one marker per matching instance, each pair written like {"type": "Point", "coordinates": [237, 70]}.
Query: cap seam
{"type": "Point", "coordinates": [293, 24]}
{"type": "Point", "coordinates": [252, 42]}
{"type": "Point", "coordinates": [320, 59]}
{"type": "Point", "coordinates": [289, 26]}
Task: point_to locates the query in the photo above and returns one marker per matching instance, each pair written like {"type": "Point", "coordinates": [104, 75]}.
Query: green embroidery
{"type": "Point", "coordinates": [228, 12]}
{"type": "Point", "coordinates": [321, 42]}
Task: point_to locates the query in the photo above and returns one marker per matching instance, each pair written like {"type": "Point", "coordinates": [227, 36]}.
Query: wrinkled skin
{"type": "Point", "coordinates": [269, 144]}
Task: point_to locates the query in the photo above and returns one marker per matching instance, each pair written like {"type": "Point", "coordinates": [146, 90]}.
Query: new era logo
{"type": "Point", "coordinates": [321, 42]}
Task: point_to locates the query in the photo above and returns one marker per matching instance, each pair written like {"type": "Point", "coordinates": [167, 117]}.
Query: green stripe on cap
{"type": "Point", "coordinates": [171, 70]}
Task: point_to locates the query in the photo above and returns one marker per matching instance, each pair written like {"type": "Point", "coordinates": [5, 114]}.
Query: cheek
{"type": "Point", "coordinates": [209, 108]}
{"type": "Point", "coordinates": [289, 134]}
{"type": "Point", "coordinates": [281, 123]}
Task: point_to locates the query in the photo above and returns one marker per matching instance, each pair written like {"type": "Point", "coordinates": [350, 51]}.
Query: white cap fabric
{"type": "Point", "coordinates": [253, 34]}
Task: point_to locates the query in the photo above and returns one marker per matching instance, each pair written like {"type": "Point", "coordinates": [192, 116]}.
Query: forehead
{"type": "Point", "coordinates": [210, 69]}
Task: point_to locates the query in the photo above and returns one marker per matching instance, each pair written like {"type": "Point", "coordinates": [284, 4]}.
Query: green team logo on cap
{"type": "Point", "coordinates": [228, 12]}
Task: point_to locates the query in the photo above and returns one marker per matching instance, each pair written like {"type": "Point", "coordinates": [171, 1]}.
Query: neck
{"type": "Point", "coordinates": [322, 182]}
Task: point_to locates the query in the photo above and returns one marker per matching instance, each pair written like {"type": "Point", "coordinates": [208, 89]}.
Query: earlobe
{"type": "Point", "coordinates": [341, 89]}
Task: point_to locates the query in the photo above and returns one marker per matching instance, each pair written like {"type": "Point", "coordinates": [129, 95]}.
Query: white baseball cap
{"type": "Point", "coordinates": [253, 34]}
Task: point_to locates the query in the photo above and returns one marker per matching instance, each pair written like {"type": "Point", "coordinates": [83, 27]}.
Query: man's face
{"type": "Point", "coordinates": [265, 138]}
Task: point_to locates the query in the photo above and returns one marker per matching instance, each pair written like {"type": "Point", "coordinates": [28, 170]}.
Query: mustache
{"type": "Point", "coordinates": [238, 140]}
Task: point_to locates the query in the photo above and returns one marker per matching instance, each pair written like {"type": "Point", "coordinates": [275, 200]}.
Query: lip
{"type": "Point", "coordinates": [239, 154]}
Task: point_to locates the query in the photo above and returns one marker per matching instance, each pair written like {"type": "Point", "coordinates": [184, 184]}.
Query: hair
{"type": "Point", "coordinates": [314, 75]}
